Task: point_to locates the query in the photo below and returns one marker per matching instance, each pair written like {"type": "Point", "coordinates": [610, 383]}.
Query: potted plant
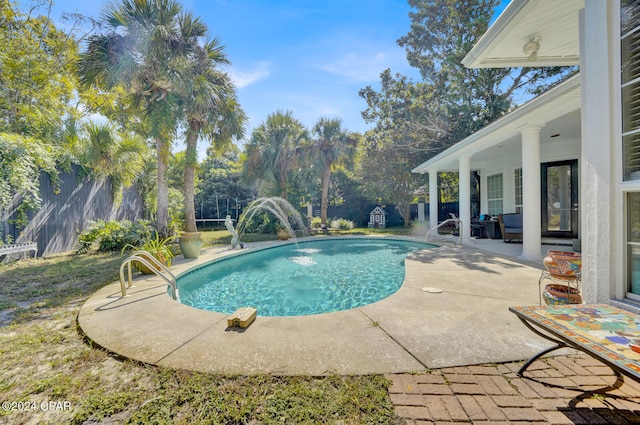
{"type": "Point", "coordinates": [158, 248]}
{"type": "Point", "coordinates": [282, 232]}
{"type": "Point", "coordinates": [190, 244]}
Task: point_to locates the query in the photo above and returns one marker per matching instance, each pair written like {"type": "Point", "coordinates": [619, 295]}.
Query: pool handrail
{"type": "Point", "coordinates": [454, 220]}
{"type": "Point", "coordinates": [152, 264]}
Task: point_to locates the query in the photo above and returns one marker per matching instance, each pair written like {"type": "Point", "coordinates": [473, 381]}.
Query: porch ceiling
{"type": "Point", "coordinates": [557, 111]}
{"type": "Point", "coordinates": [553, 23]}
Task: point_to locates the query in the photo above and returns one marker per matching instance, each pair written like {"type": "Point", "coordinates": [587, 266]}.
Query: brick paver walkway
{"type": "Point", "coordinates": [573, 389]}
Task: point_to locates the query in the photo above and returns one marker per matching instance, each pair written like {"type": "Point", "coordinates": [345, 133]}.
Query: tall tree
{"type": "Point", "coordinates": [220, 184]}
{"type": "Point", "coordinates": [36, 73]}
{"type": "Point", "coordinates": [37, 86]}
{"type": "Point", "coordinates": [211, 110]}
{"type": "Point", "coordinates": [109, 154]}
{"type": "Point", "coordinates": [385, 174]}
{"type": "Point", "coordinates": [331, 147]}
{"type": "Point", "coordinates": [142, 49]}
{"type": "Point", "coordinates": [451, 101]}
{"type": "Point", "coordinates": [420, 119]}
{"type": "Point", "coordinates": [272, 152]}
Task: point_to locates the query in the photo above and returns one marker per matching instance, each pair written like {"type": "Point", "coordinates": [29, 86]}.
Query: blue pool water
{"type": "Point", "coordinates": [310, 277]}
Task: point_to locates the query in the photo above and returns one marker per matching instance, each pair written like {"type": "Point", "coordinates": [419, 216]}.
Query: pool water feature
{"type": "Point", "coordinates": [296, 279]}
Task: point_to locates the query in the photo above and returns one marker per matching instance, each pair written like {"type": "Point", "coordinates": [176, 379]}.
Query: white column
{"type": "Point", "coordinates": [433, 198]}
{"type": "Point", "coordinates": [602, 215]}
{"type": "Point", "coordinates": [531, 199]}
{"type": "Point", "coordinates": [465, 197]}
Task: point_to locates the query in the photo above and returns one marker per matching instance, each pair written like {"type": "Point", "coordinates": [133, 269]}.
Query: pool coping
{"type": "Point", "coordinates": [411, 330]}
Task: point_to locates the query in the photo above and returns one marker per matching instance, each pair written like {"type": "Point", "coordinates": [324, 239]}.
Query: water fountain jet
{"type": "Point", "coordinates": [279, 207]}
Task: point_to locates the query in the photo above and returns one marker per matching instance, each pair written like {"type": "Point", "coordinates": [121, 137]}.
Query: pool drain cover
{"type": "Point", "coordinates": [432, 290]}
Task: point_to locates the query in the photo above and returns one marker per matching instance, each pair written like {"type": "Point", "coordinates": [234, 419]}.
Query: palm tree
{"type": "Point", "coordinates": [145, 43]}
{"type": "Point", "coordinates": [273, 150]}
{"type": "Point", "coordinates": [111, 154]}
{"type": "Point", "coordinates": [211, 110]}
{"type": "Point", "coordinates": [331, 147]}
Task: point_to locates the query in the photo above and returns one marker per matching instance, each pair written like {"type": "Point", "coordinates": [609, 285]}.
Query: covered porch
{"type": "Point", "coordinates": [528, 163]}
{"type": "Point", "coordinates": [514, 251]}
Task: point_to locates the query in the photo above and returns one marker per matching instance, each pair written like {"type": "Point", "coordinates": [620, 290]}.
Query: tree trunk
{"type": "Point", "coordinates": [404, 208]}
{"type": "Point", "coordinates": [283, 186]}
{"type": "Point", "coordinates": [324, 198]}
{"type": "Point", "coordinates": [191, 159]}
{"type": "Point", "coordinates": [162, 213]}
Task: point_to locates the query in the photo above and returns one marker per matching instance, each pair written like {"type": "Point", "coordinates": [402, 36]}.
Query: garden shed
{"type": "Point", "coordinates": [378, 218]}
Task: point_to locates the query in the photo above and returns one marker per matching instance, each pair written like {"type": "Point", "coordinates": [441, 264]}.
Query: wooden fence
{"type": "Point", "coordinates": [56, 225]}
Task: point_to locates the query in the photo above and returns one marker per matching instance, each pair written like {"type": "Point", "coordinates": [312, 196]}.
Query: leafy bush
{"type": "Point", "coordinates": [158, 247]}
{"type": "Point", "coordinates": [260, 223]}
{"type": "Point", "coordinates": [316, 223]}
{"type": "Point", "coordinates": [21, 160]}
{"type": "Point", "coordinates": [113, 235]}
{"type": "Point", "coordinates": [342, 224]}
{"type": "Point", "coordinates": [265, 223]}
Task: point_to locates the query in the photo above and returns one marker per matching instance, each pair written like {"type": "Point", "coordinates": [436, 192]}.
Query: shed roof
{"type": "Point", "coordinates": [378, 210]}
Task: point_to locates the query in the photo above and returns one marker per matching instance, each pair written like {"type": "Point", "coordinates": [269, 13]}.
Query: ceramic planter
{"type": "Point", "coordinates": [555, 294]}
{"type": "Point", "coordinates": [283, 235]}
{"type": "Point", "coordinates": [146, 270]}
{"type": "Point", "coordinates": [190, 244]}
{"type": "Point", "coordinates": [563, 264]}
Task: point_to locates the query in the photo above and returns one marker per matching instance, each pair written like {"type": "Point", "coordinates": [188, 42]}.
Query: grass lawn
{"type": "Point", "coordinates": [49, 374]}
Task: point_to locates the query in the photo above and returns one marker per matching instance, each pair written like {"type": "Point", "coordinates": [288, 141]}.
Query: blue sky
{"type": "Point", "coordinates": [309, 57]}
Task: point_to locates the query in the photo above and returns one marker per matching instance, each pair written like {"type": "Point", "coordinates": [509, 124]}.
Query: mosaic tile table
{"type": "Point", "coordinates": [609, 334]}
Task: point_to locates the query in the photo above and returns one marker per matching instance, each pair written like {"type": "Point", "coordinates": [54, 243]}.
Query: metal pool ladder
{"type": "Point", "coordinates": [154, 265]}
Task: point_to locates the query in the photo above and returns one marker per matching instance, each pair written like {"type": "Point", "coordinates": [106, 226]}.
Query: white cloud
{"type": "Point", "coordinates": [359, 67]}
{"type": "Point", "coordinates": [244, 78]}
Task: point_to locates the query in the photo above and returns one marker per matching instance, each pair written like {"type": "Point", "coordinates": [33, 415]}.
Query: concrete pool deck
{"type": "Point", "coordinates": [468, 323]}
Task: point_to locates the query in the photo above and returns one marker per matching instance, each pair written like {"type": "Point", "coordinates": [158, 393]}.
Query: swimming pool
{"type": "Point", "coordinates": [310, 277]}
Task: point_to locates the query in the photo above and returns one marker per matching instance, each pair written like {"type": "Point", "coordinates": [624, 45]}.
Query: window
{"type": "Point", "coordinates": [630, 79]}
{"type": "Point", "coordinates": [518, 186]}
{"type": "Point", "coordinates": [633, 242]}
{"type": "Point", "coordinates": [630, 55]}
{"type": "Point", "coordinates": [494, 194]}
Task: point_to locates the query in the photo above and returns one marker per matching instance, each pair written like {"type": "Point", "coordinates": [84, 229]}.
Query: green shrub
{"type": "Point", "coordinates": [316, 223]}
{"type": "Point", "coordinates": [342, 224]}
{"type": "Point", "coordinates": [113, 235]}
{"type": "Point", "coordinates": [159, 248]}
{"type": "Point", "coordinates": [264, 223]}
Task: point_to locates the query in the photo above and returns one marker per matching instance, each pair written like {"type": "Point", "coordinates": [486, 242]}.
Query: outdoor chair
{"type": "Point", "coordinates": [511, 226]}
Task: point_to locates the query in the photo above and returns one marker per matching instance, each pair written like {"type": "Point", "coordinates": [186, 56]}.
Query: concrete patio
{"type": "Point", "coordinates": [451, 357]}
{"type": "Point", "coordinates": [412, 330]}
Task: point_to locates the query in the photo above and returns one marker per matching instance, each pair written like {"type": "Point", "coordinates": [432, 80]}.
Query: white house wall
{"type": "Point", "coordinates": [600, 64]}
{"type": "Point", "coordinates": [506, 165]}
{"type": "Point", "coordinates": [598, 145]}
{"type": "Point", "coordinates": [510, 159]}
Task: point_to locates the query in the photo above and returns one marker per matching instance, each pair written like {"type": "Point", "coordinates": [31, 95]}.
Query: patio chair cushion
{"type": "Point", "coordinates": [511, 226]}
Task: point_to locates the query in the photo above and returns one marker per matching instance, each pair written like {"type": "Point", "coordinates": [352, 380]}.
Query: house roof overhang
{"type": "Point", "coordinates": [553, 24]}
{"type": "Point", "coordinates": [557, 110]}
